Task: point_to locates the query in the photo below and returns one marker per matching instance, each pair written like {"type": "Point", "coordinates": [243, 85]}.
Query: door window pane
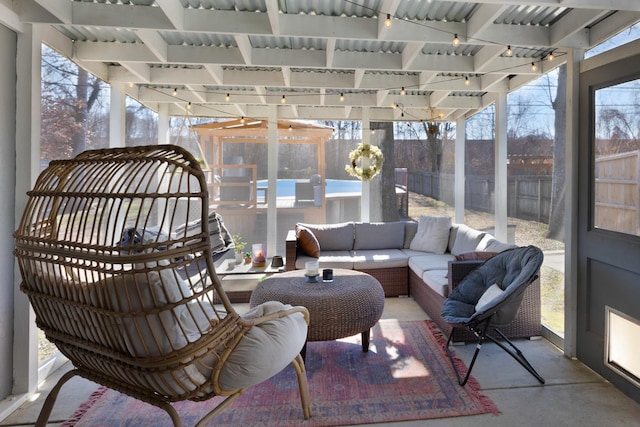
{"type": "Point", "coordinates": [617, 158]}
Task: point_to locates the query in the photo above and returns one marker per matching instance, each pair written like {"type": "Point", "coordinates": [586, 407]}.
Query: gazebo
{"type": "Point", "coordinates": [233, 184]}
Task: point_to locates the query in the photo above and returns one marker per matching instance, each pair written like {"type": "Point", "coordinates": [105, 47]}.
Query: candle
{"type": "Point", "coordinates": [312, 268]}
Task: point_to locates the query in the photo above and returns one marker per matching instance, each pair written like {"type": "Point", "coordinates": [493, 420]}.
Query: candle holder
{"type": "Point", "coordinates": [258, 255]}
{"type": "Point", "coordinates": [312, 269]}
{"type": "Point", "coordinates": [312, 279]}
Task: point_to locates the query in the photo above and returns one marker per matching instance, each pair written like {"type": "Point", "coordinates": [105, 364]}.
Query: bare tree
{"type": "Point", "coordinates": [384, 136]}
{"type": "Point", "coordinates": [69, 95]}
{"type": "Point", "coordinates": [556, 217]}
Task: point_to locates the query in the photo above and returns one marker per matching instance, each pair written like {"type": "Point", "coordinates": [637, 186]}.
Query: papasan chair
{"type": "Point", "coordinates": [489, 297]}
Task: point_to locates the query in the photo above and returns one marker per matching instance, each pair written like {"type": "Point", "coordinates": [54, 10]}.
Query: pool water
{"type": "Point", "coordinates": [287, 187]}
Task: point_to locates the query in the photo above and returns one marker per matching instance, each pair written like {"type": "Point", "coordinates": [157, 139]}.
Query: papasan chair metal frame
{"type": "Point", "coordinates": [133, 304]}
{"type": "Point", "coordinates": [488, 298]}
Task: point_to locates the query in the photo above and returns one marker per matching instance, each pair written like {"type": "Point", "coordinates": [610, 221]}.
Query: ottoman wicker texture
{"type": "Point", "coordinates": [349, 305]}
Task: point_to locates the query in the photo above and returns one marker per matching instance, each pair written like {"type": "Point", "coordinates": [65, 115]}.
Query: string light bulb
{"type": "Point", "coordinates": [402, 91]}
{"type": "Point", "coordinates": [242, 119]}
{"type": "Point", "coordinates": [290, 128]}
{"type": "Point", "coordinates": [394, 105]}
{"type": "Point", "coordinates": [387, 22]}
{"type": "Point", "coordinates": [456, 40]}
{"type": "Point", "coordinates": [227, 98]}
{"type": "Point", "coordinates": [509, 52]}
{"type": "Point", "coordinates": [466, 81]}
{"type": "Point", "coordinates": [550, 57]}
{"type": "Point", "coordinates": [283, 100]}
{"type": "Point", "coordinates": [175, 91]}
{"type": "Point", "coordinates": [341, 97]}
{"type": "Point", "coordinates": [534, 67]}
{"type": "Point", "coordinates": [189, 106]}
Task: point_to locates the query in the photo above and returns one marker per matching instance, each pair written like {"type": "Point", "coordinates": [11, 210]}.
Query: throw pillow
{"type": "Point", "coordinates": [432, 234]}
{"type": "Point", "coordinates": [475, 256]}
{"type": "Point", "coordinates": [307, 241]}
{"type": "Point", "coordinates": [490, 295]}
{"type": "Point", "coordinates": [466, 239]}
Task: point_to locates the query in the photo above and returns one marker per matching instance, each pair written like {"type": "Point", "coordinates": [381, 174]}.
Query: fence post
{"type": "Point", "coordinates": [539, 200]}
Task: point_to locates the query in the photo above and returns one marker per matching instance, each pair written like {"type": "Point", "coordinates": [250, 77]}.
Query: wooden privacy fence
{"type": "Point", "coordinates": [617, 187]}
{"type": "Point", "coordinates": [529, 197]}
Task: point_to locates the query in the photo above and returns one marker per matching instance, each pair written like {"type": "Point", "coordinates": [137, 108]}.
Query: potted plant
{"type": "Point", "coordinates": [247, 257]}
{"type": "Point", "coordinates": [238, 245]}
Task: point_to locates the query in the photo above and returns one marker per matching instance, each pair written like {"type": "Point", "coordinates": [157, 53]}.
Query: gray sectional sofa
{"type": "Point", "coordinates": [391, 253]}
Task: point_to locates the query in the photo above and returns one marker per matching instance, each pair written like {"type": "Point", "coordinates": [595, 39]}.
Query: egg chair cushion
{"type": "Point", "coordinates": [265, 349]}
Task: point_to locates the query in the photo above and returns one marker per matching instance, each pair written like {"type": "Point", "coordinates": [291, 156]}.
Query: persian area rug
{"type": "Point", "coordinates": [406, 375]}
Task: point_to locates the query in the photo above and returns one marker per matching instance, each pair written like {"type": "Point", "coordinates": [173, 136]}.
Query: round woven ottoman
{"type": "Point", "coordinates": [352, 303]}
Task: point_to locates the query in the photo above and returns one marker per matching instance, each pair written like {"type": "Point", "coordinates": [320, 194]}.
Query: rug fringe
{"type": "Point", "coordinates": [82, 409]}
{"type": "Point", "coordinates": [473, 386]}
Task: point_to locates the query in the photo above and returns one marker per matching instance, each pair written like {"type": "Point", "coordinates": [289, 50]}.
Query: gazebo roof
{"type": "Point", "coordinates": [293, 130]}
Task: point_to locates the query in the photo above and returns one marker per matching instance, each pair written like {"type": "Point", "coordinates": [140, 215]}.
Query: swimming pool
{"type": "Point", "coordinates": [287, 187]}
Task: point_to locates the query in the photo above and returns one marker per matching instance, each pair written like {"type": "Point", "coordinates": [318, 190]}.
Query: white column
{"type": "Point", "coordinates": [500, 193]}
{"type": "Point", "coordinates": [574, 58]}
{"type": "Point", "coordinates": [28, 98]}
{"type": "Point", "coordinates": [272, 177]}
{"type": "Point", "coordinates": [164, 135]}
{"type": "Point", "coordinates": [365, 211]}
{"type": "Point", "coordinates": [459, 174]}
{"type": "Point", "coordinates": [117, 116]}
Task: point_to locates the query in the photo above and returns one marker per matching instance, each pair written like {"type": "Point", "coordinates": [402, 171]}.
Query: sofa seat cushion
{"type": "Point", "coordinates": [328, 259]}
{"type": "Point", "coordinates": [281, 339]}
{"type": "Point", "coordinates": [421, 263]}
{"type": "Point", "coordinates": [438, 281]}
{"type": "Point", "coordinates": [381, 258]}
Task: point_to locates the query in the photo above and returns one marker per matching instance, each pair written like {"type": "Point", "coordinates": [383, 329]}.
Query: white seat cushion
{"type": "Point", "coordinates": [381, 258]}
{"type": "Point", "coordinates": [420, 264]}
{"type": "Point", "coordinates": [328, 259]}
{"type": "Point", "coordinates": [438, 281]}
{"type": "Point", "coordinates": [265, 349]}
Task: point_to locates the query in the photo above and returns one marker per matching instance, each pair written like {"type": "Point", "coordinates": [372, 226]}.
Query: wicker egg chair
{"type": "Point", "coordinates": [133, 304]}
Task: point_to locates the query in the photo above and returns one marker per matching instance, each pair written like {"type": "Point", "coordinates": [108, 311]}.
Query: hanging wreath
{"type": "Point", "coordinates": [366, 151]}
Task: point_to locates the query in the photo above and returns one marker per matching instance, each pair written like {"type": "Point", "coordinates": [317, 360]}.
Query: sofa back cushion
{"type": "Point", "coordinates": [379, 235]}
{"type": "Point", "coordinates": [432, 234]}
{"type": "Point", "coordinates": [410, 229]}
{"type": "Point", "coordinates": [466, 239]}
{"type": "Point", "coordinates": [333, 237]}
{"type": "Point", "coordinates": [498, 246]}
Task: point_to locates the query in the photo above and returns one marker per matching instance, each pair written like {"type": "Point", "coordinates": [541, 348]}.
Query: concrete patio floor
{"type": "Point", "coordinates": [572, 396]}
